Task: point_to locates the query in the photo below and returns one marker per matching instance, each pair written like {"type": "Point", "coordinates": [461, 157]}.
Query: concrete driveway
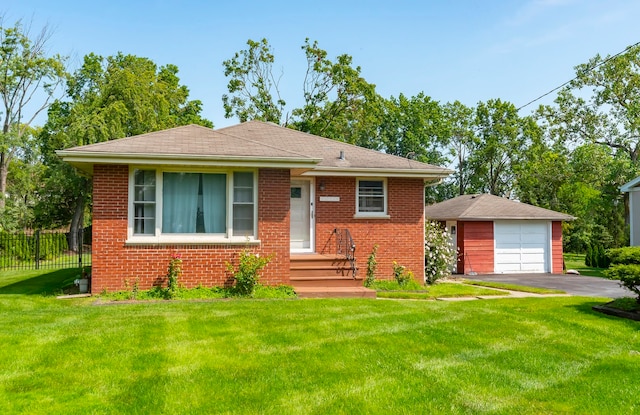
{"type": "Point", "coordinates": [571, 284]}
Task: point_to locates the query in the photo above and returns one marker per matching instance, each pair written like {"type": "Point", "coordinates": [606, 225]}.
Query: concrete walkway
{"type": "Point", "coordinates": [571, 284]}
{"type": "Point", "coordinates": [507, 294]}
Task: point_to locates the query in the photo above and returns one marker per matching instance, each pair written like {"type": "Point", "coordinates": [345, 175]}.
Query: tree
{"type": "Point", "coordinates": [611, 116]}
{"type": "Point", "coordinates": [461, 142]}
{"type": "Point", "coordinates": [415, 128]}
{"type": "Point", "coordinates": [338, 102]}
{"type": "Point", "coordinates": [500, 139]}
{"type": "Point", "coordinates": [120, 96]}
{"type": "Point", "coordinates": [29, 79]}
{"type": "Point", "coordinates": [253, 87]}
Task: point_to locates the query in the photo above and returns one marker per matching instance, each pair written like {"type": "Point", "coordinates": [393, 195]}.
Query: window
{"type": "Point", "coordinates": [371, 198]}
{"type": "Point", "coordinates": [170, 204]}
{"type": "Point", "coordinates": [144, 202]}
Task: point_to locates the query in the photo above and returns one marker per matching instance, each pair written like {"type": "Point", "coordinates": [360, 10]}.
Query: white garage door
{"type": "Point", "coordinates": [521, 246]}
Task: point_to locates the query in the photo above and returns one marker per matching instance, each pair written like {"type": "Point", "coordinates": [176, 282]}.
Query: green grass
{"type": "Point", "coordinates": [576, 261]}
{"type": "Point", "coordinates": [514, 287]}
{"type": "Point", "coordinates": [390, 289]}
{"type": "Point", "coordinates": [315, 356]}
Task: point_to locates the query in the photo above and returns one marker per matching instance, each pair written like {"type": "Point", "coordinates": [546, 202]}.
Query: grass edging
{"type": "Point", "coordinates": [513, 287]}
{"type": "Point", "coordinates": [613, 311]}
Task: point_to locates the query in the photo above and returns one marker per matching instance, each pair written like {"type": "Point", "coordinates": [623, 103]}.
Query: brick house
{"type": "Point", "coordinates": [208, 194]}
{"type": "Point", "coordinates": [495, 235]}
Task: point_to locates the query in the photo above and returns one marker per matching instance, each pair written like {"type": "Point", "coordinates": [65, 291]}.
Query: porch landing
{"type": "Point", "coordinates": [326, 276]}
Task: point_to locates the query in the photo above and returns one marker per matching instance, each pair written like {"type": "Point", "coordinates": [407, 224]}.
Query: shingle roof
{"type": "Point", "coordinates": [489, 207]}
{"type": "Point", "coordinates": [253, 140]}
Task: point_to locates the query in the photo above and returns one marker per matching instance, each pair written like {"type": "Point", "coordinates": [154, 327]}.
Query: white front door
{"type": "Point", "coordinates": [302, 214]}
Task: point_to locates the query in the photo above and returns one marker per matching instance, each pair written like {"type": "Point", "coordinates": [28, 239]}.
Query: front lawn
{"type": "Point", "coordinates": [320, 356]}
{"type": "Point", "coordinates": [576, 261]}
{"type": "Point", "coordinates": [416, 291]}
{"type": "Point", "coordinates": [514, 287]}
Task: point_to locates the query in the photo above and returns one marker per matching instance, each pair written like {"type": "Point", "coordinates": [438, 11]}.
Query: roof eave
{"type": "Point", "coordinates": [84, 161]}
{"type": "Point", "coordinates": [493, 218]}
{"type": "Point", "coordinates": [428, 174]}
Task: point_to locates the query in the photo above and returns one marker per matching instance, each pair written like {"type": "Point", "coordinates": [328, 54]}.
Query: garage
{"type": "Point", "coordinates": [521, 246]}
{"type": "Point", "coordinates": [496, 235]}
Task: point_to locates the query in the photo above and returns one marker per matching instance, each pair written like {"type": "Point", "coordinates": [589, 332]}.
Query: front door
{"type": "Point", "coordinates": [302, 215]}
{"type": "Point", "coordinates": [453, 233]}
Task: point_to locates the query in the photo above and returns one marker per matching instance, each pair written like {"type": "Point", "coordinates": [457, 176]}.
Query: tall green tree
{"type": "Point", "coordinates": [337, 101]}
{"type": "Point", "coordinates": [414, 127]}
{"type": "Point", "coordinates": [114, 97]}
{"type": "Point", "coordinates": [253, 88]}
{"type": "Point", "coordinates": [500, 140]}
{"type": "Point", "coordinates": [462, 140]}
{"type": "Point", "coordinates": [610, 115]}
{"type": "Point", "coordinates": [29, 78]}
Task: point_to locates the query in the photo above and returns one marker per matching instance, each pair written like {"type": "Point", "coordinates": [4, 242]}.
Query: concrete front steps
{"type": "Point", "coordinates": [325, 276]}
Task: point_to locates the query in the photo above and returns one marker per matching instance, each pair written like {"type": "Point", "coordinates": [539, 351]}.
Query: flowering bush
{"type": "Point", "coordinates": [439, 254]}
{"type": "Point", "coordinates": [401, 274]}
{"type": "Point", "coordinates": [247, 274]}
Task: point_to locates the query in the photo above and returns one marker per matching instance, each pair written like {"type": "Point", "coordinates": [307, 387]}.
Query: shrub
{"type": "Point", "coordinates": [629, 276]}
{"type": "Point", "coordinates": [173, 273]}
{"type": "Point", "coordinates": [401, 274]}
{"type": "Point", "coordinates": [372, 264]}
{"type": "Point", "coordinates": [627, 255]}
{"type": "Point", "coordinates": [248, 272]}
{"type": "Point", "coordinates": [588, 258]}
{"type": "Point", "coordinates": [439, 254]}
{"type": "Point", "coordinates": [602, 258]}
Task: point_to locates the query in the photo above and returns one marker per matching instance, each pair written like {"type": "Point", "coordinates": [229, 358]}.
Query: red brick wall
{"type": "Point", "coordinates": [556, 248]}
{"type": "Point", "coordinates": [115, 264]}
{"type": "Point", "coordinates": [400, 238]}
{"type": "Point", "coordinates": [476, 249]}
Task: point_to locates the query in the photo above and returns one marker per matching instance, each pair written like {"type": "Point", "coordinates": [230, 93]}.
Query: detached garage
{"type": "Point", "coordinates": [495, 235]}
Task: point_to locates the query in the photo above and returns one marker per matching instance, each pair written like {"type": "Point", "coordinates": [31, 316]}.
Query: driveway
{"type": "Point", "coordinates": [571, 284]}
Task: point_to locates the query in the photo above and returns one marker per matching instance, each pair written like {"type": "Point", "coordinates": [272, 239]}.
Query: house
{"type": "Point", "coordinates": [208, 194]}
{"type": "Point", "coordinates": [633, 188]}
{"type": "Point", "coordinates": [495, 235]}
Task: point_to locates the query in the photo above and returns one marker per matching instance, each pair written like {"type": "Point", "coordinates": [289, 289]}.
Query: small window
{"type": "Point", "coordinates": [372, 197]}
{"type": "Point", "coordinates": [243, 205]}
{"type": "Point", "coordinates": [144, 202]}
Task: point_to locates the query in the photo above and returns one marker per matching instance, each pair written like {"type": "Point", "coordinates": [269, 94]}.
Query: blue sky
{"type": "Point", "coordinates": [469, 51]}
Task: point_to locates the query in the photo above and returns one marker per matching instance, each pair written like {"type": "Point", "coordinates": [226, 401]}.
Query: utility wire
{"type": "Point", "coordinates": [576, 77]}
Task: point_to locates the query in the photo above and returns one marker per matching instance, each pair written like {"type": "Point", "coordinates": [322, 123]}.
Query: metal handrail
{"type": "Point", "coordinates": [345, 246]}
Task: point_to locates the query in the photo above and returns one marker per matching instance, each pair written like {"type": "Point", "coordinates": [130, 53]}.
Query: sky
{"type": "Point", "coordinates": [470, 51]}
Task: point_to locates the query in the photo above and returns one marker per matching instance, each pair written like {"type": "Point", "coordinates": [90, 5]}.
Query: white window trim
{"type": "Point", "coordinates": [190, 238]}
{"type": "Point", "coordinates": [372, 215]}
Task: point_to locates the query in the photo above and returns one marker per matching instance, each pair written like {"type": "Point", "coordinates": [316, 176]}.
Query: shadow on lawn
{"type": "Point", "coordinates": [44, 284]}
{"type": "Point", "coordinates": [587, 308]}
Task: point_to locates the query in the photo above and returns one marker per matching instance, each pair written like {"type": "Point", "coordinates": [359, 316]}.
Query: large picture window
{"type": "Point", "coordinates": [167, 204]}
{"type": "Point", "coordinates": [371, 197]}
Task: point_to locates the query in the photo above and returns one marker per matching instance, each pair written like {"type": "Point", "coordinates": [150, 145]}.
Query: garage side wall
{"type": "Point", "coordinates": [557, 259]}
{"type": "Point", "coordinates": [476, 250]}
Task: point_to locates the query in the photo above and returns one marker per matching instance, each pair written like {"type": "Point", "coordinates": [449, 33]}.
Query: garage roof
{"type": "Point", "coordinates": [489, 207]}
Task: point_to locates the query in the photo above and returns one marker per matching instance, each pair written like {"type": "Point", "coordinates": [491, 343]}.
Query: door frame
{"type": "Point", "coordinates": [312, 215]}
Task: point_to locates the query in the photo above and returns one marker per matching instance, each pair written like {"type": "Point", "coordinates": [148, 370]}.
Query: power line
{"type": "Point", "coordinates": [576, 77]}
